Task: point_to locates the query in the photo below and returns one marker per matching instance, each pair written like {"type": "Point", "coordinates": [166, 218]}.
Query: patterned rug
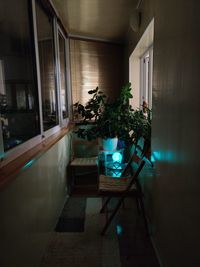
{"type": "Point", "coordinates": [72, 218]}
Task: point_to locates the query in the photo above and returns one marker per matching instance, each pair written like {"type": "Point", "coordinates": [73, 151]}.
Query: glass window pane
{"type": "Point", "coordinates": [18, 83]}
{"type": "Point", "coordinates": [63, 82]}
{"type": "Point", "coordinates": [47, 67]}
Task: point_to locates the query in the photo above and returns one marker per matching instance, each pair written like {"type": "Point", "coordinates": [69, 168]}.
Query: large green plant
{"type": "Point", "coordinates": [111, 119]}
{"type": "Point", "coordinates": [93, 108]}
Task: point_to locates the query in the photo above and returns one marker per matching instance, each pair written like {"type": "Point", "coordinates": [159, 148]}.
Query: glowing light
{"type": "Point", "coordinates": [117, 157]}
{"type": "Point", "coordinates": [115, 173]}
{"type": "Point", "coordinates": [28, 164]}
{"type": "Point", "coordinates": [156, 155]}
{"type": "Point", "coordinates": [119, 229]}
{"type": "Point", "coordinates": [153, 158]}
{"type": "Point", "coordinates": [166, 155]}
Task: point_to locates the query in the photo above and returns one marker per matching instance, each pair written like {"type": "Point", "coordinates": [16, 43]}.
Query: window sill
{"type": "Point", "coordinates": [9, 171]}
{"type": "Point", "coordinates": [82, 122]}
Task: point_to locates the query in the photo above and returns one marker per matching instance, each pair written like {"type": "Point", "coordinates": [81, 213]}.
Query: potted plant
{"type": "Point", "coordinates": [100, 116]}
{"type": "Point", "coordinates": [111, 120]}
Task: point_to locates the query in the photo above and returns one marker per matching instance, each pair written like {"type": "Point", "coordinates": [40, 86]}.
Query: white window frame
{"type": "Point", "coordinates": [8, 156]}
{"type": "Point", "coordinates": [45, 134]}
{"type": "Point", "coordinates": [69, 90]}
{"type": "Point", "coordinates": [58, 31]}
{"type": "Point", "coordinates": [146, 76]}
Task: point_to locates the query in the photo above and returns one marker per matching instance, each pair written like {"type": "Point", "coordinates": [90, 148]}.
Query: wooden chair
{"type": "Point", "coordinates": [144, 149]}
{"type": "Point", "coordinates": [84, 161]}
{"type": "Point", "coordinates": [123, 187]}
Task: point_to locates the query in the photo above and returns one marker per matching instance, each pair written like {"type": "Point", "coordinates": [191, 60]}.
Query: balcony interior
{"type": "Point", "coordinates": [104, 44]}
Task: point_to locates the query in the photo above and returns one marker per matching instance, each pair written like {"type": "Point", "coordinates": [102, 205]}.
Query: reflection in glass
{"type": "Point", "coordinates": [63, 82]}
{"type": "Point", "coordinates": [47, 68]}
{"type": "Point", "coordinates": [18, 89]}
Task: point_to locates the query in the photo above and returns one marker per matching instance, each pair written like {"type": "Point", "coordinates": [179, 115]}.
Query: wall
{"type": "Point", "coordinates": [30, 206]}
{"type": "Point", "coordinates": [175, 190]}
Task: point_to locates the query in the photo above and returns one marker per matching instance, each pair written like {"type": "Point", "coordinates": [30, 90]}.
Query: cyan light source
{"type": "Point", "coordinates": [115, 173]}
{"type": "Point", "coordinates": [119, 229]}
{"type": "Point", "coordinates": [117, 157]}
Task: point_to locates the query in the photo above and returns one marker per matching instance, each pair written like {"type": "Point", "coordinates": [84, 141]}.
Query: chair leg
{"type": "Point", "coordinates": [105, 204]}
{"type": "Point", "coordinates": [138, 205]}
{"type": "Point", "coordinates": [112, 215]}
{"type": "Point", "coordinates": [144, 215]}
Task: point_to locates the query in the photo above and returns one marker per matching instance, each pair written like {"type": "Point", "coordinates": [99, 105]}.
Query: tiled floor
{"type": "Point", "coordinates": [124, 245]}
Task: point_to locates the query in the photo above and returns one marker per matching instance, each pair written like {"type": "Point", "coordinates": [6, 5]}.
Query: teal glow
{"type": "Point", "coordinates": [2, 155]}
{"type": "Point", "coordinates": [117, 157]}
{"type": "Point", "coordinates": [28, 164]}
{"type": "Point", "coordinates": [170, 156]}
{"type": "Point", "coordinates": [115, 173]}
{"type": "Point", "coordinates": [156, 155]}
{"type": "Point", "coordinates": [163, 156]}
{"type": "Point", "coordinates": [153, 159]}
{"type": "Point", "coordinates": [119, 229]}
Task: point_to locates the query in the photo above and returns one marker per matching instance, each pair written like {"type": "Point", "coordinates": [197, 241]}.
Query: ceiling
{"type": "Point", "coordinates": [101, 19]}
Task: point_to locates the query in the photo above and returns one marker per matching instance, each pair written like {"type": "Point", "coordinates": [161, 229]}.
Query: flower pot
{"type": "Point", "coordinates": [110, 144]}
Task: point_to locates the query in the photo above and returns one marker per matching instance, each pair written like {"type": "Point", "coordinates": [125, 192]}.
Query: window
{"type": "Point", "coordinates": [19, 112]}
{"type": "Point", "coordinates": [141, 68]}
{"type": "Point", "coordinates": [146, 78]}
{"type": "Point", "coordinates": [33, 66]}
{"type": "Point", "coordinates": [47, 67]}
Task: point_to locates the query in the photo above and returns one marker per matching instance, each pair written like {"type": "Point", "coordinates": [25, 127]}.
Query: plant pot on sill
{"type": "Point", "coordinates": [110, 144]}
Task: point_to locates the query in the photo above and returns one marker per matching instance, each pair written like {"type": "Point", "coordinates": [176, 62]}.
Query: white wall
{"type": "Point", "coordinates": [174, 194]}
{"type": "Point", "coordinates": [30, 206]}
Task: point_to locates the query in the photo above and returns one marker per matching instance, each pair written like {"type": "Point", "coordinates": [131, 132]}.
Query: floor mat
{"type": "Point", "coordinates": [72, 218]}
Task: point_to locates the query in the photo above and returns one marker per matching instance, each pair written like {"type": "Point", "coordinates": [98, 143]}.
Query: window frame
{"type": "Point", "coordinates": [49, 132]}
{"type": "Point", "coordinates": [58, 30]}
{"type": "Point", "coordinates": [13, 153]}
{"type": "Point", "coordinates": [146, 77]}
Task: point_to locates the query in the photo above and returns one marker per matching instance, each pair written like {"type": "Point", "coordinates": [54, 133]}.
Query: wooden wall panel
{"type": "Point", "coordinates": [95, 64]}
